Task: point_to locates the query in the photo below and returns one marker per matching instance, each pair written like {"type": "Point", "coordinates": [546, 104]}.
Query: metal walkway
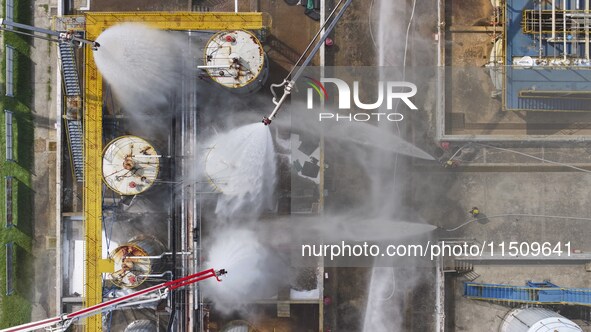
{"type": "Point", "coordinates": [532, 293]}
{"type": "Point", "coordinates": [71, 80]}
{"type": "Point", "coordinates": [73, 108]}
{"type": "Point", "coordinates": [75, 140]}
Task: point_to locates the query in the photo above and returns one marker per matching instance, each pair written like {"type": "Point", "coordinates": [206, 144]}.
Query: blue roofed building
{"type": "Point", "coordinates": [546, 48]}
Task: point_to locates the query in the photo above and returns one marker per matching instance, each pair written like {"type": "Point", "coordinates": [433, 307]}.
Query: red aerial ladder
{"type": "Point", "coordinates": [151, 294]}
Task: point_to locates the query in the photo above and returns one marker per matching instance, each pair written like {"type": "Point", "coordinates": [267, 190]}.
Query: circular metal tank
{"type": "Point", "coordinates": [238, 326]}
{"type": "Point", "coordinates": [130, 266]}
{"type": "Point", "coordinates": [130, 165]}
{"type": "Point", "coordinates": [537, 320]}
{"type": "Point", "coordinates": [236, 60]}
{"type": "Point", "coordinates": [142, 325]}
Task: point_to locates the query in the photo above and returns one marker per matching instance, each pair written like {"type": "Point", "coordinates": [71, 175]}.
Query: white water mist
{"type": "Point", "coordinates": [384, 305]}
{"type": "Point", "coordinates": [374, 138]}
{"type": "Point", "coordinates": [252, 273]}
{"type": "Point", "coordinates": [143, 65]}
{"type": "Point", "coordinates": [390, 38]}
{"type": "Point", "coordinates": [349, 228]}
{"type": "Point", "coordinates": [241, 165]}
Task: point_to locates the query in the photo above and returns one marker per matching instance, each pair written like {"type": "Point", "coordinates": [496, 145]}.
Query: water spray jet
{"type": "Point", "coordinates": [143, 65]}
{"type": "Point", "coordinates": [240, 165]}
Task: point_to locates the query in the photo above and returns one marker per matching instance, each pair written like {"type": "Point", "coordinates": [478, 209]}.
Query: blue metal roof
{"type": "Point", "coordinates": [524, 87]}
{"type": "Point", "coordinates": [533, 293]}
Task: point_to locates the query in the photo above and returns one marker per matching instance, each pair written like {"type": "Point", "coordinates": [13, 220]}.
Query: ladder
{"type": "Point", "coordinates": [76, 143]}
{"type": "Point", "coordinates": [70, 74]}
{"type": "Point", "coordinates": [73, 122]}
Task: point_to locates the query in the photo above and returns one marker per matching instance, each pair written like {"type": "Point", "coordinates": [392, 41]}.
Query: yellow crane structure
{"type": "Point", "coordinates": [95, 24]}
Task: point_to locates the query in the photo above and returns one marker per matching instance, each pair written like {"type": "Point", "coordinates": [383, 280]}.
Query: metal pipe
{"type": "Point", "coordinates": [235, 6]}
{"type": "Point", "coordinates": [190, 235]}
{"type": "Point", "coordinates": [471, 221]}
{"type": "Point", "coordinates": [134, 303]}
{"type": "Point", "coordinates": [509, 138]}
{"type": "Point", "coordinates": [58, 178]}
{"type": "Point", "coordinates": [172, 299]}
{"type": "Point", "coordinates": [197, 262]}
{"type": "Point", "coordinates": [439, 33]}
{"type": "Point", "coordinates": [66, 37]}
{"type": "Point", "coordinates": [586, 22]}
{"type": "Point", "coordinates": [559, 39]}
{"type": "Point", "coordinates": [147, 156]}
{"type": "Point", "coordinates": [286, 92]}
{"type": "Point", "coordinates": [577, 15]}
{"type": "Point", "coordinates": [322, 21]}
{"type": "Point", "coordinates": [440, 87]}
{"type": "Point", "coordinates": [540, 31]}
{"type": "Point", "coordinates": [156, 275]}
{"type": "Point", "coordinates": [573, 44]}
{"type": "Point", "coordinates": [180, 326]}
{"type": "Point", "coordinates": [159, 256]}
{"type": "Point", "coordinates": [289, 84]}
{"type": "Point", "coordinates": [28, 27]}
{"type": "Point", "coordinates": [172, 216]}
{"type": "Point", "coordinates": [213, 66]}
{"type": "Point", "coordinates": [564, 31]}
{"type": "Point", "coordinates": [553, 20]}
{"type": "Point", "coordinates": [439, 296]}
{"type": "Point", "coordinates": [321, 41]}
{"type": "Point", "coordinates": [313, 39]}
{"type": "Point", "coordinates": [161, 289]}
{"type": "Point", "coordinates": [194, 319]}
{"type": "Point", "coordinates": [321, 309]}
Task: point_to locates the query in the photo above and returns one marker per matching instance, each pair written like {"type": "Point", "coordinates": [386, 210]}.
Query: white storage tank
{"type": "Point", "coordinates": [236, 60]}
{"type": "Point", "coordinates": [133, 263]}
{"type": "Point", "coordinates": [130, 165]}
{"type": "Point", "coordinates": [537, 320]}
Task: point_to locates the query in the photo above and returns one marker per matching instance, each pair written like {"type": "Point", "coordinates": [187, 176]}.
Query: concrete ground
{"type": "Point", "coordinates": [44, 59]}
{"type": "Point", "coordinates": [443, 199]}
{"type": "Point", "coordinates": [452, 194]}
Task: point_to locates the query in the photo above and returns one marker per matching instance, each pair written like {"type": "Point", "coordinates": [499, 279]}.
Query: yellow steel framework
{"type": "Point", "coordinates": [93, 95]}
